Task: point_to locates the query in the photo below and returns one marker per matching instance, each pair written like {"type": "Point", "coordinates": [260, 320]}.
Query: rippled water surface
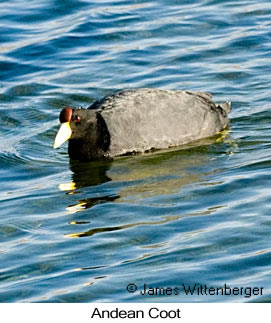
{"type": "Point", "coordinates": [200, 214]}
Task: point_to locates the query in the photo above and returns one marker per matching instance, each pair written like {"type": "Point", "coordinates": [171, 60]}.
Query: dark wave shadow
{"type": "Point", "coordinates": [94, 231]}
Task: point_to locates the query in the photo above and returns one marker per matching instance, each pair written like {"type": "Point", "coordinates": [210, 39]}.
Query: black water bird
{"type": "Point", "coordinates": [140, 120]}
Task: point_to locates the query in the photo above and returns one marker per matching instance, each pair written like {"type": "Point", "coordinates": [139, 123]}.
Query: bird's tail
{"type": "Point", "coordinates": [226, 106]}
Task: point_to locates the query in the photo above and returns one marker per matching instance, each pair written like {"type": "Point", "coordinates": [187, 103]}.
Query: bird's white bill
{"type": "Point", "coordinates": [64, 134]}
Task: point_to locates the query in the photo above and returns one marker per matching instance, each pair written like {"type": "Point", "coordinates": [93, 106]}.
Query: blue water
{"type": "Point", "coordinates": [200, 214]}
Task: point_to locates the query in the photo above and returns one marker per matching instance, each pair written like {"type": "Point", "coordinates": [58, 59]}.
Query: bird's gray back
{"type": "Point", "coordinates": [139, 120]}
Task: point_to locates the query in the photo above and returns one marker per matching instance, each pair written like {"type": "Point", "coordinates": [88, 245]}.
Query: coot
{"type": "Point", "coordinates": [138, 120]}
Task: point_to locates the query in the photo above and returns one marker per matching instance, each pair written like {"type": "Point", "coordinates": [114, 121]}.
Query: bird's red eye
{"type": "Point", "coordinates": [77, 119]}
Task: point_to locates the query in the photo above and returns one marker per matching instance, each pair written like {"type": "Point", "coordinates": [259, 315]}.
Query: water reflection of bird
{"type": "Point", "coordinates": [143, 177]}
{"type": "Point", "coordinates": [138, 121]}
{"type": "Point", "coordinates": [90, 174]}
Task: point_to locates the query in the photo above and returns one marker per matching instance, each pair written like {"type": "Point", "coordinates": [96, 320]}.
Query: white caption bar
{"type": "Point", "coordinates": [134, 312]}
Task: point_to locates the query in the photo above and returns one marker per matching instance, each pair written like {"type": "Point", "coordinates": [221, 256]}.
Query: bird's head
{"type": "Point", "coordinates": [86, 131]}
{"type": "Point", "coordinates": [75, 123]}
